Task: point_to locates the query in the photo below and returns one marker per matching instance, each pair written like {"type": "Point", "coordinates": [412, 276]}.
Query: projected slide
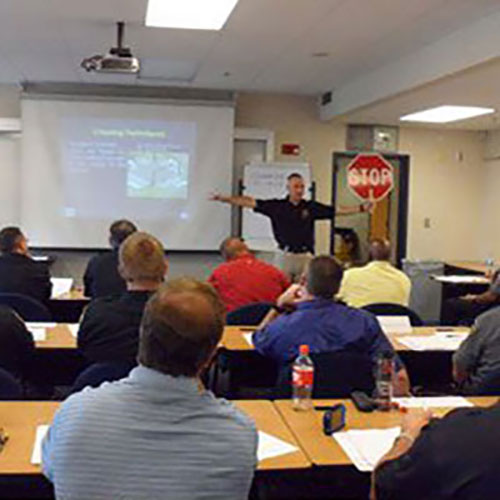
{"type": "Point", "coordinates": [133, 160]}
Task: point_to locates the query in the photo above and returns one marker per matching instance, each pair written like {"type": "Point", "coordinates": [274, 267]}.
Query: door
{"type": "Point", "coordinates": [351, 235]}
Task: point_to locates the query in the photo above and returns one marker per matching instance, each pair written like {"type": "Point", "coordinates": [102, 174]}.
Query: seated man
{"type": "Point", "coordinates": [464, 310]}
{"type": "Point", "coordinates": [101, 277]}
{"type": "Point", "coordinates": [476, 363]}
{"type": "Point", "coordinates": [16, 344]}
{"type": "Point", "coordinates": [157, 433]}
{"type": "Point", "coordinates": [243, 279]}
{"type": "Point", "coordinates": [455, 457]}
{"type": "Point", "coordinates": [378, 281]}
{"type": "Point", "coordinates": [19, 273]}
{"type": "Point", "coordinates": [109, 330]}
{"type": "Point", "coordinates": [322, 323]}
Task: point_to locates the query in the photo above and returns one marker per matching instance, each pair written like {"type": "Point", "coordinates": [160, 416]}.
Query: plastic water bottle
{"type": "Point", "coordinates": [490, 267]}
{"type": "Point", "coordinates": [383, 380]}
{"type": "Point", "coordinates": [303, 380]}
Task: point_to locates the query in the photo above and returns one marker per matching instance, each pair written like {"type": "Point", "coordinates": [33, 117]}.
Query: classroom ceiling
{"type": "Point", "coordinates": [294, 46]}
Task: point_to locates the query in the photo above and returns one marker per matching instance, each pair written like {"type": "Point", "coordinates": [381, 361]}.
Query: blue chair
{"type": "Point", "coordinates": [388, 309]}
{"type": "Point", "coordinates": [336, 375]}
{"type": "Point", "coordinates": [97, 373]}
{"type": "Point", "coordinates": [10, 388]}
{"type": "Point", "coordinates": [28, 308]}
{"type": "Point", "coordinates": [251, 314]}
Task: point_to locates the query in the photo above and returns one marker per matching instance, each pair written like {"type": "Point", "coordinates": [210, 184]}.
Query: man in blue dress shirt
{"type": "Point", "coordinates": [158, 433]}
{"type": "Point", "coordinates": [322, 323]}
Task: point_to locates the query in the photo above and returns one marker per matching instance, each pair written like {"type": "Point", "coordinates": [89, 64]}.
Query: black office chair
{"type": "Point", "coordinates": [97, 373]}
{"type": "Point", "coordinates": [251, 314]}
{"type": "Point", "coordinates": [10, 388]}
{"type": "Point", "coordinates": [388, 309]}
{"type": "Point", "coordinates": [28, 308]}
{"type": "Point", "coordinates": [336, 375]}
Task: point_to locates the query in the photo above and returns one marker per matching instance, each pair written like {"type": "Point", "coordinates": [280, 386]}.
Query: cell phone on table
{"type": "Point", "coordinates": [334, 419]}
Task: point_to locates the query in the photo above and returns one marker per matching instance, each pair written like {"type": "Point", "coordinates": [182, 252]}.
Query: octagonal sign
{"type": "Point", "coordinates": [370, 177]}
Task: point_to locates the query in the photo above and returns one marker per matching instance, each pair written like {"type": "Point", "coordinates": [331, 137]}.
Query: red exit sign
{"type": "Point", "coordinates": [290, 149]}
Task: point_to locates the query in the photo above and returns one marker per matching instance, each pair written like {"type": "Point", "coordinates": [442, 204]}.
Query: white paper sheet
{"type": "Point", "coordinates": [248, 338]}
{"type": "Point", "coordinates": [60, 286]}
{"type": "Point", "coordinates": [39, 334]}
{"type": "Point", "coordinates": [395, 324]}
{"type": "Point", "coordinates": [73, 328]}
{"type": "Point", "coordinates": [441, 341]}
{"type": "Point", "coordinates": [40, 324]}
{"type": "Point", "coordinates": [36, 456]}
{"type": "Point", "coordinates": [466, 280]}
{"type": "Point", "coordinates": [271, 446]}
{"type": "Point", "coordinates": [367, 446]}
{"type": "Point", "coordinates": [433, 402]}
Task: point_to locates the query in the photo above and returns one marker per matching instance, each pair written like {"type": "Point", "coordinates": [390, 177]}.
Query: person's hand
{"type": "Point", "coordinates": [470, 297]}
{"type": "Point", "coordinates": [414, 421]}
{"type": "Point", "coordinates": [368, 206]}
{"type": "Point", "coordinates": [215, 197]}
{"type": "Point", "coordinates": [293, 295]}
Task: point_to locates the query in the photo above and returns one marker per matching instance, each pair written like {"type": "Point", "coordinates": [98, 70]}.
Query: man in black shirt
{"type": "Point", "coordinates": [292, 220]}
{"type": "Point", "coordinates": [456, 457]}
{"type": "Point", "coordinates": [19, 273]}
{"type": "Point", "coordinates": [101, 277]}
{"type": "Point", "coordinates": [109, 331]}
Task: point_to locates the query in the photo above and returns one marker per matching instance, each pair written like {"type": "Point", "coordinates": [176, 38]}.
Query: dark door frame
{"type": "Point", "coordinates": [404, 181]}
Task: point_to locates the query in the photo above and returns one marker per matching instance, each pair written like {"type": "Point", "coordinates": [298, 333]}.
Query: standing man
{"type": "Point", "coordinates": [292, 220]}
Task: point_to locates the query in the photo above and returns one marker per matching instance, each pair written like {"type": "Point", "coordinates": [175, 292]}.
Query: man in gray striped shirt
{"type": "Point", "coordinates": [157, 434]}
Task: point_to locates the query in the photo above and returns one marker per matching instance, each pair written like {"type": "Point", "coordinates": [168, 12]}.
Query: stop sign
{"type": "Point", "coordinates": [370, 177]}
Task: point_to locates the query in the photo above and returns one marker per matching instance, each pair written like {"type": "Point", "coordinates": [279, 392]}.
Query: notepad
{"type": "Point", "coordinates": [73, 328]}
{"type": "Point", "coordinates": [366, 447]}
{"type": "Point", "coordinates": [248, 338]}
{"type": "Point", "coordinates": [463, 279]}
{"type": "Point", "coordinates": [271, 446]}
{"type": "Point", "coordinates": [395, 324]}
{"type": "Point", "coordinates": [440, 341]}
{"type": "Point", "coordinates": [36, 456]}
{"type": "Point", "coordinates": [60, 286]}
{"type": "Point", "coordinates": [434, 402]}
{"type": "Point", "coordinates": [39, 330]}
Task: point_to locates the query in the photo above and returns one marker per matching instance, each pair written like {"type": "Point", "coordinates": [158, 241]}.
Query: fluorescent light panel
{"type": "Point", "coordinates": [189, 14]}
{"type": "Point", "coordinates": [446, 114]}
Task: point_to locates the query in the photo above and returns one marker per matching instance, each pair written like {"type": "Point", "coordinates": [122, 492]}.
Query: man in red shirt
{"type": "Point", "coordinates": [243, 279]}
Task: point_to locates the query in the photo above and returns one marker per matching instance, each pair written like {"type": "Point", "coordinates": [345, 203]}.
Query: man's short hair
{"type": "Point", "coordinates": [119, 231]}
{"type": "Point", "coordinates": [9, 238]}
{"type": "Point", "coordinates": [142, 257]}
{"type": "Point", "coordinates": [294, 175]}
{"type": "Point", "coordinates": [232, 246]}
{"type": "Point", "coordinates": [323, 277]}
{"type": "Point", "coordinates": [181, 327]}
{"type": "Point", "coordinates": [380, 249]}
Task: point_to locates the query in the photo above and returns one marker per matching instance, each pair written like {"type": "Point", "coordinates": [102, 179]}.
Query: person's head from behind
{"type": "Point", "coordinates": [296, 187]}
{"type": "Point", "coordinates": [119, 231]}
{"type": "Point", "coordinates": [12, 240]}
{"type": "Point", "coordinates": [233, 247]}
{"type": "Point", "coordinates": [322, 277]}
{"type": "Point", "coordinates": [181, 327]}
{"type": "Point", "coordinates": [142, 262]}
{"type": "Point", "coordinates": [380, 249]}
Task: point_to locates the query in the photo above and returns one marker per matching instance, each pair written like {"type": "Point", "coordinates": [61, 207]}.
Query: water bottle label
{"type": "Point", "coordinates": [301, 378]}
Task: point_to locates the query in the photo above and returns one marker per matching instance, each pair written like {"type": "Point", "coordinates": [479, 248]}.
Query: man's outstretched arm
{"type": "Point", "coordinates": [239, 201]}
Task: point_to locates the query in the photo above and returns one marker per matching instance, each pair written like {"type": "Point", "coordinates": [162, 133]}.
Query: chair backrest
{"type": "Point", "coordinates": [251, 314]}
{"type": "Point", "coordinates": [10, 388]}
{"type": "Point", "coordinates": [28, 308]}
{"type": "Point", "coordinates": [388, 309]}
{"type": "Point", "coordinates": [336, 375]}
{"type": "Point", "coordinates": [97, 373]}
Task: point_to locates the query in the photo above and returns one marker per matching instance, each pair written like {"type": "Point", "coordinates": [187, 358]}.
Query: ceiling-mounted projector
{"type": "Point", "coordinates": [119, 59]}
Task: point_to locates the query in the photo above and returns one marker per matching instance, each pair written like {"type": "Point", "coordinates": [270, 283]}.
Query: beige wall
{"type": "Point", "coordinates": [294, 119]}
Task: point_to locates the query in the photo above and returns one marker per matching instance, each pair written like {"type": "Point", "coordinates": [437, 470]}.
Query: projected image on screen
{"type": "Point", "coordinates": [158, 175]}
{"type": "Point", "coordinates": [133, 160]}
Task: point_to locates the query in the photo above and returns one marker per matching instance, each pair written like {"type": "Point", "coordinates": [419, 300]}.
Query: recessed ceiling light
{"type": "Point", "coordinates": [189, 14]}
{"type": "Point", "coordinates": [446, 114]}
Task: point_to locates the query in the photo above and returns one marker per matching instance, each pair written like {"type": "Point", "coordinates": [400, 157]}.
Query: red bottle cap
{"type": "Point", "coordinates": [304, 349]}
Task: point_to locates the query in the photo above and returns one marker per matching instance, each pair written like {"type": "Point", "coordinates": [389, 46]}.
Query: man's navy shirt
{"type": "Point", "coordinates": [325, 326]}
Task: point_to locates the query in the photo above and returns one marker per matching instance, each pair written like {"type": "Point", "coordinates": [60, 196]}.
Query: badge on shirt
{"type": "Point", "coordinates": [305, 214]}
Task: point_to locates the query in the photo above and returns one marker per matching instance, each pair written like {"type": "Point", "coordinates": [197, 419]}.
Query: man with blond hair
{"type": "Point", "coordinates": [109, 330]}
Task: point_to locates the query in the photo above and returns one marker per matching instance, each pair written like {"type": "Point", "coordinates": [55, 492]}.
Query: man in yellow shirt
{"type": "Point", "coordinates": [378, 281]}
